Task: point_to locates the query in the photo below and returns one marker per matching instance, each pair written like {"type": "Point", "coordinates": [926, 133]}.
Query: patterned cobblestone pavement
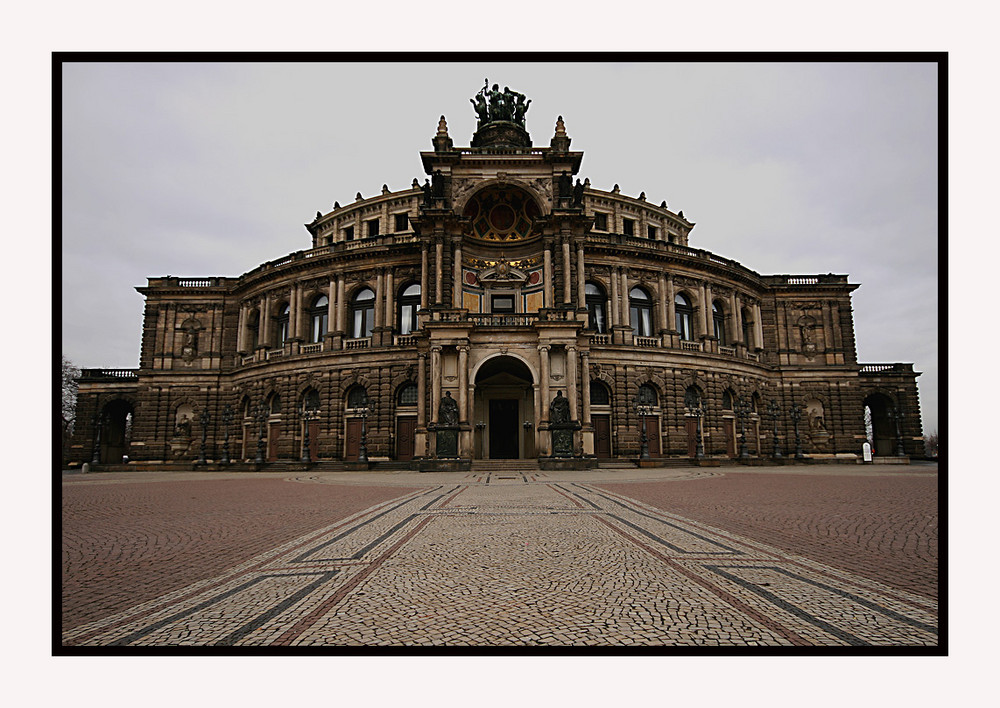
{"type": "Point", "coordinates": [521, 560]}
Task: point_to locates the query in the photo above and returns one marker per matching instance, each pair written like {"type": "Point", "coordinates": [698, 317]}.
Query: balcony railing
{"type": "Point", "coordinates": [109, 374]}
{"type": "Point", "coordinates": [362, 343]}
{"type": "Point", "coordinates": [496, 319]}
{"type": "Point", "coordinates": [311, 348]}
{"type": "Point", "coordinates": [600, 339]}
{"type": "Point", "coordinates": [897, 368]}
{"type": "Point", "coordinates": [647, 341]}
{"type": "Point", "coordinates": [404, 340]}
{"type": "Point", "coordinates": [690, 346]}
{"type": "Point", "coordinates": [728, 351]}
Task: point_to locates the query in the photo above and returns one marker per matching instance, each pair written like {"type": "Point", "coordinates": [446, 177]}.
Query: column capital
{"type": "Point", "coordinates": [544, 347]}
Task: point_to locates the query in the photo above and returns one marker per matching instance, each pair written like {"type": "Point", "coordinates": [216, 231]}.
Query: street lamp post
{"type": "Point", "coordinates": [307, 415]}
{"type": "Point", "coordinates": [742, 412]}
{"type": "Point", "coordinates": [773, 411]}
{"type": "Point", "coordinates": [897, 416]}
{"type": "Point", "coordinates": [364, 411]}
{"type": "Point", "coordinates": [796, 415]}
{"type": "Point", "coordinates": [205, 419]}
{"type": "Point", "coordinates": [227, 418]}
{"type": "Point", "coordinates": [261, 422]}
{"type": "Point", "coordinates": [98, 427]}
{"type": "Point", "coordinates": [699, 446]}
{"type": "Point", "coordinates": [643, 409]}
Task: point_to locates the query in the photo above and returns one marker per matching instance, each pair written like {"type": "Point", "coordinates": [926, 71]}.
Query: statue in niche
{"type": "Point", "coordinates": [437, 184]}
{"type": "Point", "coordinates": [183, 427]}
{"type": "Point", "coordinates": [448, 410]}
{"type": "Point", "coordinates": [427, 192]}
{"type": "Point", "coordinates": [578, 194]}
{"type": "Point", "coordinates": [565, 185]}
{"type": "Point", "coordinates": [559, 409]}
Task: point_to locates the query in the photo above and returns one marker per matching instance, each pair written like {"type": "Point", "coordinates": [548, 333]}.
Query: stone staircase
{"type": "Point", "coordinates": [499, 466]}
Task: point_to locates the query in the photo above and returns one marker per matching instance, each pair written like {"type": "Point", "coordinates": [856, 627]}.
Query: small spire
{"type": "Point", "coordinates": [442, 128]}
{"type": "Point", "coordinates": [560, 127]}
{"type": "Point", "coordinates": [560, 141]}
{"type": "Point", "coordinates": [441, 141]}
{"type": "Point", "coordinates": [663, 204]}
{"type": "Point", "coordinates": [336, 205]}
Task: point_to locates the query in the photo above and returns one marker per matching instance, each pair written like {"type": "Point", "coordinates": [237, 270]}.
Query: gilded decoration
{"type": "Point", "coordinates": [502, 215]}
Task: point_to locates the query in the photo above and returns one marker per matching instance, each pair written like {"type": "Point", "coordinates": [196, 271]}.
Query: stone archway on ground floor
{"type": "Point", "coordinates": [504, 409]}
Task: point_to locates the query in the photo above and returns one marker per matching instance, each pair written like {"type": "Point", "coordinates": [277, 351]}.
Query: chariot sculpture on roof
{"type": "Point", "coordinates": [492, 105]}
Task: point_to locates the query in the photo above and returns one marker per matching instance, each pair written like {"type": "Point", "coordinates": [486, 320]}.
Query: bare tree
{"type": "Point", "coordinates": [70, 376]}
{"type": "Point", "coordinates": [931, 444]}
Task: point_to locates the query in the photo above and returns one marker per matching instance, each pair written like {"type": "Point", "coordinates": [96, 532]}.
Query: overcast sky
{"type": "Point", "coordinates": [211, 169]}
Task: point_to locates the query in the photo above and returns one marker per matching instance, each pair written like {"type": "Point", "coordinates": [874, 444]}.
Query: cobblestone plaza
{"type": "Point", "coordinates": [790, 557]}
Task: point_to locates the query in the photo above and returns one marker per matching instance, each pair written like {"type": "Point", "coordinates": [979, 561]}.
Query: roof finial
{"type": "Point", "coordinates": [441, 141]}
{"type": "Point", "coordinates": [442, 128]}
{"type": "Point", "coordinates": [560, 141]}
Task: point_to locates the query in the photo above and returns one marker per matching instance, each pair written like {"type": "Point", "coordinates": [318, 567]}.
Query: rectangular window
{"type": "Point", "coordinates": [348, 233]}
{"type": "Point", "coordinates": [651, 232]}
{"type": "Point", "coordinates": [600, 221]}
{"type": "Point", "coordinates": [402, 222]}
{"type": "Point", "coordinates": [502, 303]}
{"type": "Point", "coordinates": [373, 228]}
{"type": "Point", "coordinates": [628, 227]}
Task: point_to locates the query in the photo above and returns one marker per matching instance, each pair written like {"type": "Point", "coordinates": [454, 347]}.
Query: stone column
{"type": "Point", "coordinates": [463, 384]}
{"type": "Point", "coordinates": [456, 291]}
{"type": "Point", "coordinates": [581, 279]}
{"type": "Point", "coordinates": [567, 274]}
{"type": "Point", "coordinates": [379, 294]}
{"type": "Point", "coordinates": [585, 386]}
{"type": "Point", "coordinates": [543, 353]}
{"type": "Point", "coordinates": [709, 327]}
{"type": "Point", "coordinates": [389, 298]}
{"type": "Point", "coordinates": [331, 307]}
{"type": "Point", "coordinates": [661, 288]}
{"type": "Point", "coordinates": [421, 390]}
{"type": "Point", "coordinates": [549, 289]}
{"type": "Point", "coordinates": [737, 326]}
{"type": "Point", "coordinates": [613, 305]}
{"type": "Point", "coordinates": [241, 330]}
{"type": "Point", "coordinates": [424, 285]}
{"type": "Point", "coordinates": [265, 329]}
{"type": "Point", "coordinates": [571, 379]}
{"type": "Point", "coordinates": [341, 304]}
{"type": "Point", "coordinates": [758, 330]}
{"type": "Point", "coordinates": [438, 273]}
{"type": "Point", "coordinates": [700, 319]}
{"type": "Point", "coordinates": [671, 308]}
{"type": "Point", "coordinates": [435, 382]}
{"type": "Point", "coordinates": [623, 293]}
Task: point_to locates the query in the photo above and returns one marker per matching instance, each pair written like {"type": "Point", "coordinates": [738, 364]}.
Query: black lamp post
{"type": "Point", "coordinates": [98, 427]}
{"type": "Point", "coordinates": [307, 415]}
{"type": "Point", "coordinates": [773, 412]}
{"type": "Point", "coordinates": [205, 419]}
{"type": "Point", "coordinates": [742, 413]}
{"type": "Point", "coordinates": [897, 416]}
{"type": "Point", "coordinates": [227, 418]}
{"type": "Point", "coordinates": [699, 446]}
{"type": "Point", "coordinates": [643, 408]}
{"type": "Point", "coordinates": [261, 422]}
{"type": "Point", "coordinates": [796, 416]}
{"type": "Point", "coordinates": [364, 411]}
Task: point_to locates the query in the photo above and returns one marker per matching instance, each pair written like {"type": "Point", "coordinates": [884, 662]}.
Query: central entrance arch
{"type": "Point", "coordinates": [504, 408]}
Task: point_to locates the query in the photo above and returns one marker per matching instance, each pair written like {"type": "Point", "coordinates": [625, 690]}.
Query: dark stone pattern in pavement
{"type": "Point", "coordinates": [127, 543]}
{"type": "Point", "coordinates": [881, 527]}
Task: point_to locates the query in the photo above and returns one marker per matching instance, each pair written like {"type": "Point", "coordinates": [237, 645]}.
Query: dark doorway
{"type": "Point", "coordinates": [352, 445]}
{"type": "Point", "coordinates": [503, 429]}
{"type": "Point", "coordinates": [653, 435]}
{"type": "Point", "coordinates": [602, 436]}
{"type": "Point", "coordinates": [273, 433]}
{"type": "Point", "coordinates": [691, 425]}
{"type": "Point", "coordinates": [406, 427]}
{"type": "Point", "coordinates": [116, 431]}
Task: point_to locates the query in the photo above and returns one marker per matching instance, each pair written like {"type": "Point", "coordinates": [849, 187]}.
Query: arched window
{"type": "Point", "coordinates": [357, 397]}
{"type": "Point", "coordinates": [685, 316]}
{"type": "Point", "coordinates": [599, 395]}
{"type": "Point", "coordinates": [647, 395]}
{"type": "Point", "coordinates": [275, 404]}
{"type": "Point", "coordinates": [318, 314]}
{"type": "Point", "coordinates": [692, 397]}
{"type": "Point", "coordinates": [641, 312]}
{"type": "Point", "coordinates": [406, 396]}
{"type": "Point", "coordinates": [310, 400]}
{"type": "Point", "coordinates": [727, 400]}
{"type": "Point", "coordinates": [747, 325]}
{"type": "Point", "coordinates": [284, 312]}
{"type": "Point", "coordinates": [253, 329]}
{"type": "Point", "coordinates": [409, 305]}
{"type": "Point", "coordinates": [719, 322]}
{"type": "Point", "coordinates": [596, 307]}
{"type": "Point", "coordinates": [362, 313]}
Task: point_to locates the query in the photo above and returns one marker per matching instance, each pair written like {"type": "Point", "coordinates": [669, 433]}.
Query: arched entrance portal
{"type": "Point", "coordinates": [504, 407]}
{"type": "Point", "coordinates": [879, 424]}
{"type": "Point", "coordinates": [116, 430]}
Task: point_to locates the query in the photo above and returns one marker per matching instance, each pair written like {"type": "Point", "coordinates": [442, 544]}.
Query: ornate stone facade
{"type": "Point", "coordinates": [498, 287]}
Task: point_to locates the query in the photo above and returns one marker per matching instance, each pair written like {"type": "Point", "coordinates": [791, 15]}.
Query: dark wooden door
{"type": "Point", "coordinates": [729, 425]}
{"type": "Point", "coordinates": [503, 429]}
{"type": "Point", "coordinates": [653, 435]}
{"type": "Point", "coordinates": [352, 444]}
{"type": "Point", "coordinates": [691, 425]}
{"type": "Point", "coordinates": [602, 436]}
{"type": "Point", "coordinates": [273, 433]}
{"type": "Point", "coordinates": [406, 428]}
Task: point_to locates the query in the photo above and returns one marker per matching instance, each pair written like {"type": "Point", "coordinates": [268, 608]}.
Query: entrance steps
{"type": "Point", "coordinates": [504, 465]}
